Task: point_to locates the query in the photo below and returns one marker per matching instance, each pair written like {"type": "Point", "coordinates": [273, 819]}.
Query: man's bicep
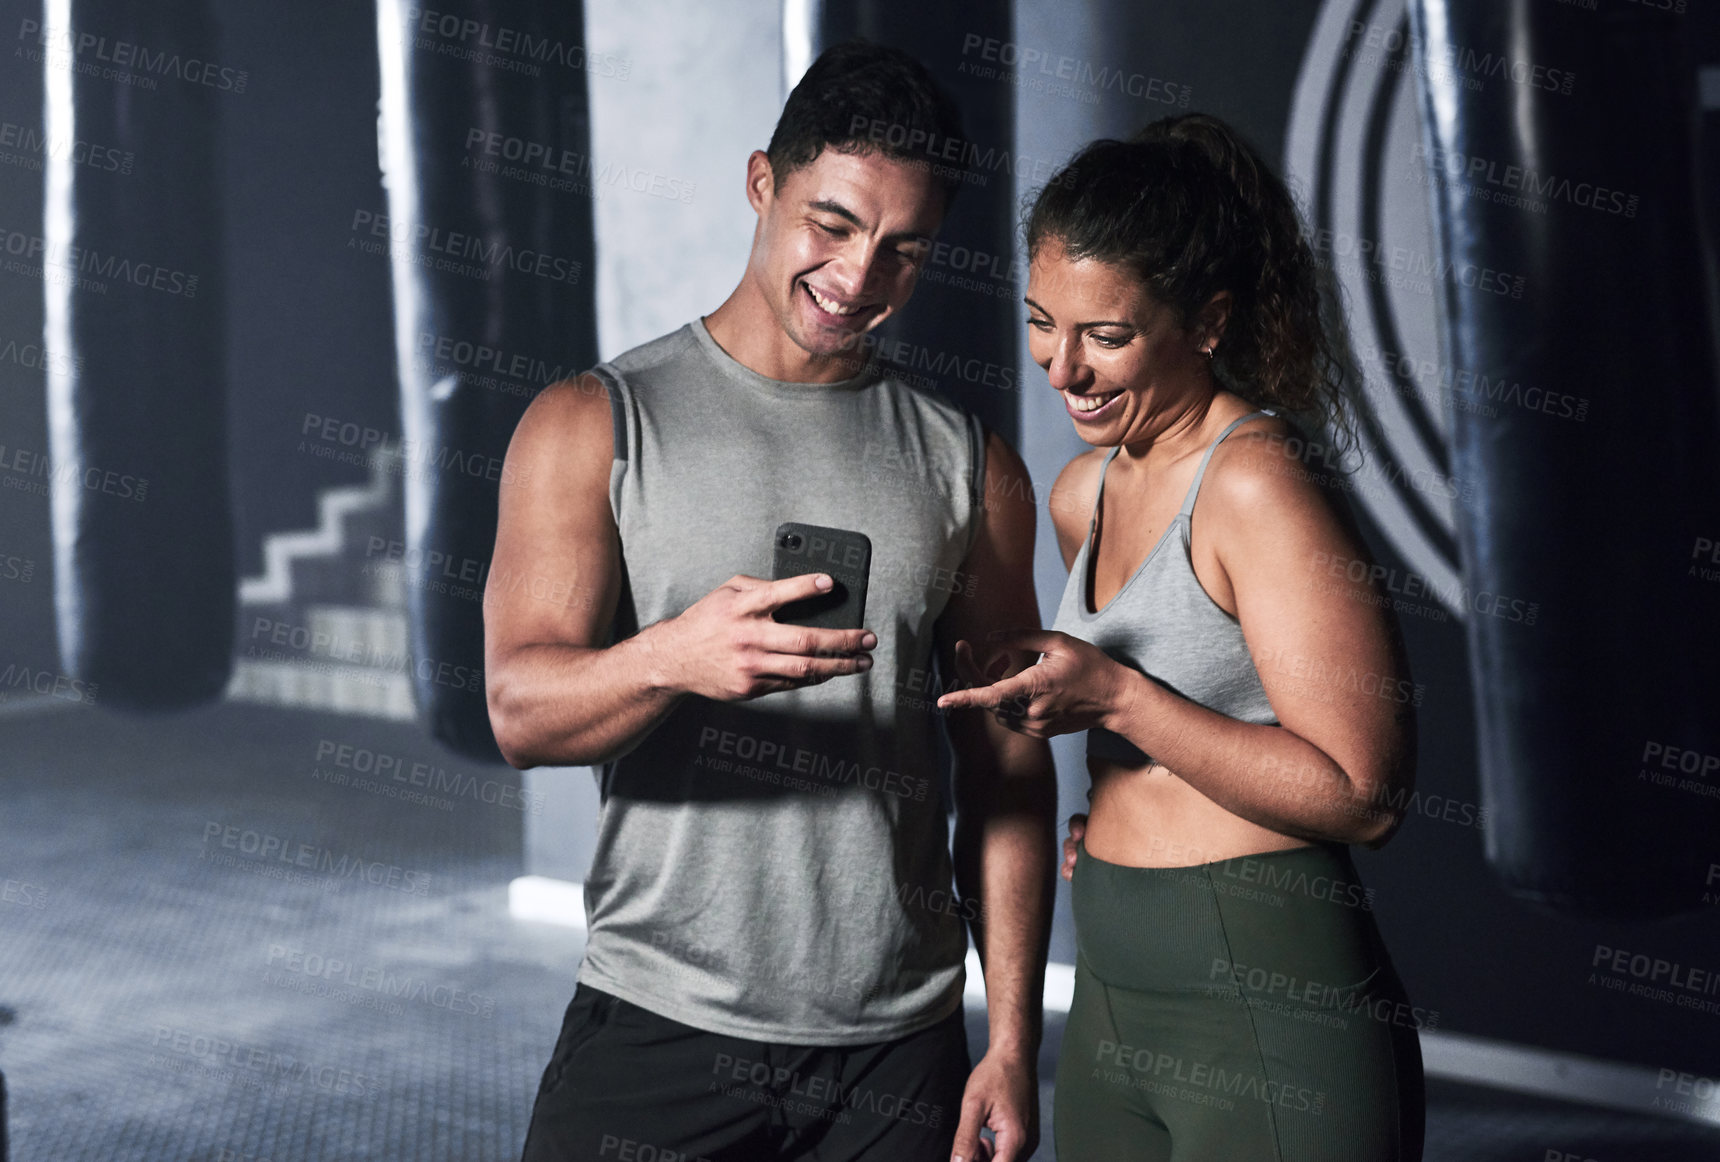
{"type": "Point", "coordinates": [556, 573]}
{"type": "Point", "coordinates": [1000, 597]}
{"type": "Point", "coordinates": [999, 566]}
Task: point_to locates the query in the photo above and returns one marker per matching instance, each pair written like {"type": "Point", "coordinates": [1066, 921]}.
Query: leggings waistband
{"type": "Point", "coordinates": [1299, 914]}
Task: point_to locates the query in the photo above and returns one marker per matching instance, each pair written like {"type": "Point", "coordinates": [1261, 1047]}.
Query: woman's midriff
{"type": "Point", "coordinates": [1148, 817]}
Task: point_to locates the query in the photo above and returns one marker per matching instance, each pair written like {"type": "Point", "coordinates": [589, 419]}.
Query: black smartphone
{"type": "Point", "coordinates": [844, 554]}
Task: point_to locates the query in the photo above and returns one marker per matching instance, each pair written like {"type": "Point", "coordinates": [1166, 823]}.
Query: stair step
{"type": "Point", "coordinates": [347, 633]}
{"type": "Point", "coordinates": [329, 686]}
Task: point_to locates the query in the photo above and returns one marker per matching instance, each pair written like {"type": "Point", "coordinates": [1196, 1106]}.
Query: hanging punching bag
{"type": "Point", "coordinates": [486, 156]}
{"type": "Point", "coordinates": [1560, 148]}
{"type": "Point", "coordinates": [144, 577]}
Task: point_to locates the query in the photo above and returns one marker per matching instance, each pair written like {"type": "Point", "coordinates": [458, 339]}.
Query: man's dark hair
{"type": "Point", "coordinates": [860, 97]}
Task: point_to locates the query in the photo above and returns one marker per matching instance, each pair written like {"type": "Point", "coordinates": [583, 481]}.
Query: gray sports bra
{"type": "Point", "coordinates": [1162, 623]}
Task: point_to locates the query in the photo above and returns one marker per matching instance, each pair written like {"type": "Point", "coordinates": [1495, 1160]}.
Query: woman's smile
{"type": "Point", "coordinates": [1087, 407]}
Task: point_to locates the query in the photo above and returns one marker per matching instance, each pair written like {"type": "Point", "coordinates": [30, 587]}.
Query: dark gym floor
{"type": "Point", "coordinates": [177, 890]}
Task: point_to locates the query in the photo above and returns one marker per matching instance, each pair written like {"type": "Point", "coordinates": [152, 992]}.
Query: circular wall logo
{"type": "Point", "coordinates": [1355, 158]}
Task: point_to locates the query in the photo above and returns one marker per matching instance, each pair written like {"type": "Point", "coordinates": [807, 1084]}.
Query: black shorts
{"type": "Point", "coordinates": [627, 1085]}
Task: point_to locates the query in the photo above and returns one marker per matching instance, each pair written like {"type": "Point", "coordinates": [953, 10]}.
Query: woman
{"type": "Point", "coordinates": [1248, 707]}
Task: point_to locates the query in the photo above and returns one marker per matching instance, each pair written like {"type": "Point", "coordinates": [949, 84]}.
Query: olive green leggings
{"type": "Point", "coordinates": [1238, 1011]}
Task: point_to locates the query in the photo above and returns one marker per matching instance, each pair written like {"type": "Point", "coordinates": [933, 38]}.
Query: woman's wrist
{"type": "Point", "coordinates": [1122, 702]}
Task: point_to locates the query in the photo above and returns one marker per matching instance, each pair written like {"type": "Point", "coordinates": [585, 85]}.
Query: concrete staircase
{"type": "Point", "coordinates": [324, 627]}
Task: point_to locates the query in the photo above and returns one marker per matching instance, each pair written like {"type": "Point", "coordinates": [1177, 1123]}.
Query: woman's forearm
{"type": "Point", "coordinates": [1267, 775]}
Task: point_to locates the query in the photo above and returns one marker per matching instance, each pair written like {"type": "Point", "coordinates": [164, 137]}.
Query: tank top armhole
{"type": "Point", "coordinates": [1098, 496]}
{"type": "Point", "coordinates": [976, 484]}
{"type": "Point", "coordinates": [621, 421]}
{"type": "Point", "coordinates": [1099, 487]}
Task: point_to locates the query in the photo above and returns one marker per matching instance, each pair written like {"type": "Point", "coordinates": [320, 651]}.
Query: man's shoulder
{"type": "Point", "coordinates": [653, 354]}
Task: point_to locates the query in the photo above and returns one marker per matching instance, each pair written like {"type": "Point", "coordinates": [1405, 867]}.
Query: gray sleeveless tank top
{"type": "Point", "coordinates": [1162, 623]}
{"type": "Point", "coordinates": [779, 869]}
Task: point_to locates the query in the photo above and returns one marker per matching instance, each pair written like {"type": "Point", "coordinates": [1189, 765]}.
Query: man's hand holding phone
{"type": "Point", "coordinates": [727, 645]}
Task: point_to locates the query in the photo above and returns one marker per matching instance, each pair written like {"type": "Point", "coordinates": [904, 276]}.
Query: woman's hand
{"type": "Point", "coordinates": [1074, 687]}
{"type": "Point", "coordinates": [1077, 831]}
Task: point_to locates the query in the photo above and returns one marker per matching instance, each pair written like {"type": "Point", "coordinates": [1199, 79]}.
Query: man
{"type": "Point", "coordinates": [774, 961]}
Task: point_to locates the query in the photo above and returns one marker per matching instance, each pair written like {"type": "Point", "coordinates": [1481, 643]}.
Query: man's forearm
{"type": "Point", "coordinates": [561, 705]}
{"type": "Point", "coordinates": [1008, 856]}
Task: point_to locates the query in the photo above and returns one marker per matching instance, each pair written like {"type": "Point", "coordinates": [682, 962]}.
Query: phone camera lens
{"type": "Point", "coordinates": [791, 540]}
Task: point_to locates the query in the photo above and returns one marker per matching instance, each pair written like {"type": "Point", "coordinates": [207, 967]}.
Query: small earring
{"type": "Point", "coordinates": [1206, 351]}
